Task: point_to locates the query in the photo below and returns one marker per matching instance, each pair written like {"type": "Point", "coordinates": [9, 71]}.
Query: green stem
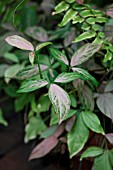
{"type": "Point", "coordinates": [40, 72]}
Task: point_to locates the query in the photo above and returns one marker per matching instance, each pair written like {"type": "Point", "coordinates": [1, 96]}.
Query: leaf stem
{"type": "Point", "coordinates": [37, 58]}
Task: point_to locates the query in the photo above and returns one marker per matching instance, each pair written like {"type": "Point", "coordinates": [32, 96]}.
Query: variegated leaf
{"type": "Point", "coordinates": [59, 55]}
{"type": "Point", "coordinates": [84, 53]}
{"type": "Point", "coordinates": [32, 85]}
{"type": "Point", "coordinates": [60, 100]}
{"type": "Point", "coordinates": [19, 42]}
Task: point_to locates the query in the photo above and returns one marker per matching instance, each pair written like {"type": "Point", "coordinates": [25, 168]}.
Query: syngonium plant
{"type": "Point", "coordinates": [61, 96]}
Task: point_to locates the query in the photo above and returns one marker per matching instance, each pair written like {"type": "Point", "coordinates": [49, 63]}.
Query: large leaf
{"type": "Point", "coordinates": [103, 162]}
{"type": "Point", "coordinates": [92, 152]}
{"type": "Point", "coordinates": [58, 55]}
{"type": "Point", "coordinates": [84, 75]}
{"type": "Point", "coordinates": [84, 53]}
{"type": "Point", "coordinates": [77, 137]}
{"type": "Point", "coordinates": [19, 42]}
{"type": "Point", "coordinates": [32, 85]}
{"type": "Point", "coordinates": [105, 104]}
{"type": "Point", "coordinates": [92, 122]}
{"type": "Point", "coordinates": [60, 101]}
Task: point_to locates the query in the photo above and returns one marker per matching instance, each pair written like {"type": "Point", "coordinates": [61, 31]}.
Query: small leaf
{"type": "Point", "coordinates": [67, 17]}
{"type": "Point", "coordinates": [60, 100]}
{"type": "Point", "coordinates": [40, 46]}
{"type": "Point", "coordinates": [105, 104]}
{"type": "Point", "coordinates": [103, 161]}
{"type": "Point", "coordinates": [84, 36]}
{"type": "Point", "coordinates": [84, 53]}
{"type": "Point", "coordinates": [11, 57]}
{"type": "Point", "coordinates": [19, 42]}
{"type": "Point", "coordinates": [31, 57]}
{"type": "Point", "coordinates": [108, 56]}
{"type": "Point", "coordinates": [70, 1]}
{"type": "Point", "coordinates": [92, 152]}
{"type": "Point", "coordinates": [85, 26]}
{"type": "Point", "coordinates": [86, 13]}
{"type": "Point", "coordinates": [44, 147]}
{"type": "Point", "coordinates": [58, 55]}
{"type": "Point", "coordinates": [91, 21]}
{"type": "Point", "coordinates": [77, 19]}
{"type": "Point", "coordinates": [92, 122]}
{"type": "Point", "coordinates": [62, 6]}
{"type": "Point", "coordinates": [77, 137]}
{"type": "Point", "coordinates": [109, 137]}
{"type": "Point", "coordinates": [32, 85]}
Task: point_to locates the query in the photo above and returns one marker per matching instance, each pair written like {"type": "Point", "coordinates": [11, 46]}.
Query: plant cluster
{"type": "Point", "coordinates": [67, 91]}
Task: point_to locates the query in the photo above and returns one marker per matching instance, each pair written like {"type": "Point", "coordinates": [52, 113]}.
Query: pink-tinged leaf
{"type": "Point", "coordinates": [84, 53]}
{"type": "Point", "coordinates": [19, 42]}
{"type": "Point", "coordinates": [44, 147]}
{"type": "Point", "coordinates": [32, 85]}
{"type": "Point", "coordinates": [80, 1]}
{"type": "Point", "coordinates": [109, 137]}
{"type": "Point", "coordinates": [60, 100]}
{"type": "Point", "coordinates": [59, 131]}
{"type": "Point", "coordinates": [70, 123]}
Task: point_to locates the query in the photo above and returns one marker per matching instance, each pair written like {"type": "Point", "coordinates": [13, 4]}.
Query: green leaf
{"type": "Point", "coordinates": [84, 53]}
{"type": "Point", "coordinates": [32, 85]}
{"type": "Point", "coordinates": [84, 36]}
{"type": "Point", "coordinates": [2, 120]}
{"type": "Point", "coordinates": [108, 56]}
{"type": "Point", "coordinates": [59, 55]}
{"type": "Point", "coordinates": [62, 6]}
{"type": "Point", "coordinates": [60, 100]}
{"type": "Point", "coordinates": [77, 19]}
{"type": "Point", "coordinates": [84, 75]}
{"type": "Point", "coordinates": [103, 162]}
{"type": "Point", "coordinates": [101, 34]}
{"type": "Point", "coordinates": [73, 100]}
{"type": "Point", "coordinates": [42, 45]}
{"type": "Point", "coordinates": [109, 86]}
{"type": "Point", "coordinates": [77, 137]}
{"type": "Point", "coordinates": [92, 152]}
{"type": "Point", "coordinates": [12, 71]}
{"type": "Point", "coordinates": [70, 1]}
{"type": "Point", "coordinates": [34, 127]}
{"type": "Point", "coordinates": [105, 104]}
{"type": "Point", "coordinates": [11, 57]}
{"type": "Point", "coordinates": [85, 26]}
{"type": "Point", "coordinates": [54, 119]}
{"type": "Point", "coordinates": [92, 122]}
{"type": "Point", "coordinates": [49, 131]}
{"type": "Point", "coordinates": [67, 17]}
{"type": "Point", "coordinates": [86, 13]}
{"type": "Point", "coordinates": [91, 21]}
{"type": "Point", "coordinates": [101, 19]}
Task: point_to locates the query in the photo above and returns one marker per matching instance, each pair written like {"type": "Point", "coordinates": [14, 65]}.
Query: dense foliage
{"type": "Point", "coordinates": [61, 77]}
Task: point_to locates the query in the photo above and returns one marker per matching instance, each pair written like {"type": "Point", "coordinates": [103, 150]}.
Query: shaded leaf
{"type": "Point", "coordinates": [109, 86]}
{"type": "Point", "coordinates": [60, 100]}
{"type": "Point", "coordinates": [11, 57]}
{"type": "Point", "coordinates": [2, 120]}
{"type": "Point", "coordinates": [49, 131]}
{"type": "Point", "coordinates": [19, 42]}
{"type": "Point", "coordinates": [105, 104]}
{"type": "Point", "coordinates": [84, 53]}
{"type": "Point", "coordinates": [109, 136]}
{"type": "Point", "coordinates": [77, 137]}
{"type": "Point", "coordinates": [103, 161]}
{"type": "Point", "coordinates": [92, 152]}
{"type": "Point", "coordinates": [92, 122]}
{"type": "Point", "coordinates": [32, 85]}
{"type": "Point", "coordinates": [44, 147]}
